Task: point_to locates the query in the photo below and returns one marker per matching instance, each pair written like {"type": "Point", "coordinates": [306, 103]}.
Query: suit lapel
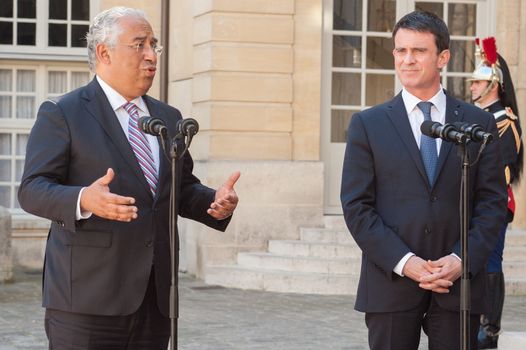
{"type": "Point", "coordinates": [453, 114]}
{"type": "Point", "coordinates": [398, 116]}
{"type": "Point", "coordinates": [100, 109]}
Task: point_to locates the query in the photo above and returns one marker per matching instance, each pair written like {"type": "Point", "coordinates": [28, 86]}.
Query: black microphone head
{"type": "Point", "coordinates": [188, 126]}
{"type": "Point", "coordinates": [427, 128]}
{"type": "Point", "coordinates": [151, 125]}
{"type": "Point", "coordinates": [460, 126]}
{"type": "Point", "coordinates": [142, 123]}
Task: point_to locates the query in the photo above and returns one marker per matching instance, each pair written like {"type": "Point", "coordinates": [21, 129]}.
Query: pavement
{"type": "Point", "coordinates": [216, 318]}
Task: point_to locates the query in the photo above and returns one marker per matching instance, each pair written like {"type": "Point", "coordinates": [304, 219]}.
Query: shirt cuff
{"type": "Point", "coordinates": [80, 215]}
{"type": "Point", "coordinates": [456, 256]}
{"type": "Point", "coordinates": [399, 268]}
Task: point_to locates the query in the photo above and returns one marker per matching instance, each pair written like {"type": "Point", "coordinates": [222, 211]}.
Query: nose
{"type": "Point", "coordinates": [409, 57]}
{"type": "Point", "coordinates": [149, 54]}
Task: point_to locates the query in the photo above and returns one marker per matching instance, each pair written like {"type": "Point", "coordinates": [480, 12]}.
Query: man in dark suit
{"type": "Point", "coordinates": [106, 186]}
{"type": "Point", "coordinates": [400, 196]}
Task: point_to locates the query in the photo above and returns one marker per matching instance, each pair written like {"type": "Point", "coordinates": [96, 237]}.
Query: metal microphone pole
{"type": "Point", "coordinates": [174, 247]}
{"type": "Point", "coordinates": [465, 287]}
{"type": "Point", "coordinates": [184, 131]}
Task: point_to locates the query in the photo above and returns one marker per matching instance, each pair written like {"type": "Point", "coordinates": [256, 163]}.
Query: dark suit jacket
{"type": "Point", "coordinates": [390, 209]}
{"type": "Point", "coordinates": [99, 266]}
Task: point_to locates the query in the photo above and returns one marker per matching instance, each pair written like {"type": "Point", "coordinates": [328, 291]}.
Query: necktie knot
{"type": "Point", "coordinates": [131, 108]}
{"type": "Point", "coordinates": [425, 107]}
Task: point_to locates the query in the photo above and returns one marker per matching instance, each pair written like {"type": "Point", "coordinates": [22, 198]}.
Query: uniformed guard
{"type": "Point", "coordinates": [492, 90]}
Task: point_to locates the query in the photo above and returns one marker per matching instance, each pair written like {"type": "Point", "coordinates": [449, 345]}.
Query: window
{"type": "Point", "coordinates": [22, 89]}
{"type": "Point", "coordinates": [17, 93]}
{"type": "Point", "coordinates": [362, 64]}
{"type": "Point", "coordinates": [68, 24]}
{"type": "Point", "coordinates": [461, 19]}
{"type": "Point", "coordinates": [45, 27]}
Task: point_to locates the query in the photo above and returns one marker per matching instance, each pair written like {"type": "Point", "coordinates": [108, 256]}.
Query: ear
{"type": "Point", "coordinates": [103, 54]}
{"type": "Point", "coordinates": [495, 87]}
{"type": "Point", "coordinates": [443, 58]}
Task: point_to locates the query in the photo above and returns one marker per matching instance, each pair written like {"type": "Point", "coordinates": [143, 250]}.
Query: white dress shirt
{"type": "Point", "coordinates": [117, 101]}
{"type": "Point", "coordinates": [416, 118]}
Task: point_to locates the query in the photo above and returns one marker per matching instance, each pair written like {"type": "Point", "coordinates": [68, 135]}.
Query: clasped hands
{"type": "Point", "coordinates": [97, 199]}
{"type": "Point", "coordinates": [437, 276]}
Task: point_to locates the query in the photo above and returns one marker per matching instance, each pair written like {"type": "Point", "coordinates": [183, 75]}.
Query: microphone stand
{"type": "Point", "coordinates": [449, 132]}
{"type": "Point", "coordinates": [186, 129]}
{"type": "Point", "coordinates": [174, 247]}
{"type": "Point", "coordinates": [465, 287]}
{"type": "Point", "coordinates": [174, 236]}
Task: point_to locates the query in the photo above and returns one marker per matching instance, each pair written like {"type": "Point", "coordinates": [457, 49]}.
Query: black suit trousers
{"type": "Point", "coordinates": [144, 329]}
{"type": "Point", "coordinates": [401, 330]}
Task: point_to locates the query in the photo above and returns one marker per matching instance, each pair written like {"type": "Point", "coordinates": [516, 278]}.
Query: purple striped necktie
{"type": "Point", "coordinates": [141, 147]}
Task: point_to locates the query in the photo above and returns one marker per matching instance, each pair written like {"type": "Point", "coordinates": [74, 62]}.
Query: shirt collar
{"type": "Point", "coordinates": [117, 100]}
{"type": "Point", "coordinates": [438, 100]}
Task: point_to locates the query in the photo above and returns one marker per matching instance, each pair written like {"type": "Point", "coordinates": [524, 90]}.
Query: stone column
{"type": "Point", "coordinates": [6, 262]}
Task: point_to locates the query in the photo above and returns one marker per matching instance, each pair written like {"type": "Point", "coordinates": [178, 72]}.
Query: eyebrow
{"type": "Point", "coordinates": [416, 48]}
{"type": "Point", "coordinates": [142, 38]}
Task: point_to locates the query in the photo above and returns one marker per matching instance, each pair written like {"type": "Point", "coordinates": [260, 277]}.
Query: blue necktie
{"type": "Point", "coordinates": [428, 146]}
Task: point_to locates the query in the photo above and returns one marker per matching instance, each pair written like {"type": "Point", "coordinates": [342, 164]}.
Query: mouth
{"type": "Point", "coordinates": [150, 71]}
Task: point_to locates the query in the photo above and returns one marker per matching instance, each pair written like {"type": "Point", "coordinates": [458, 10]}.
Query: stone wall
{"type": "Point", "coordinates": [6, 262]}
{"type": "Point", "coordinates": [511, 43]}
{"type": "Point", "coordinates": [250, 73]}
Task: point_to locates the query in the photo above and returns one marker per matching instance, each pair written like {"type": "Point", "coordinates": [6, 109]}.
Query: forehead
{"type": "Point", "coordinates": [412, 38]}
{"type": "Point", "coordinates": [135, 28]}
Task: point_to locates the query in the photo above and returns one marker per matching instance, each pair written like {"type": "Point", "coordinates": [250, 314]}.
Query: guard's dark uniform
{"type": "Point", "coordinates": [510, 145]}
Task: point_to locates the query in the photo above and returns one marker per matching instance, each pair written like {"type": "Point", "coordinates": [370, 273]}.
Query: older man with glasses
{"type": "Point", "coordinates": [105, 187]}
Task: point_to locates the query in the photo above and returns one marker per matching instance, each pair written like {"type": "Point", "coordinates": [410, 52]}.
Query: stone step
{"type": "Point", "coordinates": [514, 269]}
{"type": "Point", "coordinates": [512, 341]}
{"type": "Point", "coordinates": [514, 253]}
{"type": "Point", "coordinates": [234, 276]}
{"type": "Point", "coordinates": [515, 286]}
{"type": "Point", "coordinates": [334, 221]}
{"type": "Point", "coordinates": [314, 249]}
{"type": "Point", "coordinates": [345, 265]}
{"type": "Point", "coordinates": [299, 264]}
{"type": "Point", "coordinates": [516, 238]}
{"type": "Point", "coordinates": [336, 231]}
{"type": "Point", "coordinates": [308, 234]}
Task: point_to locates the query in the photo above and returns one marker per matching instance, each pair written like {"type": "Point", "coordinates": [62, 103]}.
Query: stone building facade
{"type": "Point", "coordinates": [272, 83]}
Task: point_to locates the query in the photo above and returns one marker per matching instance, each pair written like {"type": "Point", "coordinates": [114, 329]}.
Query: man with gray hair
{"type": "Point", "coordinates": [106, 187]}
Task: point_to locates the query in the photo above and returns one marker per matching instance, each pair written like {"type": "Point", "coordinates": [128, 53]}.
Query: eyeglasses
{"type": "Point", "coordinates": [140, 47]}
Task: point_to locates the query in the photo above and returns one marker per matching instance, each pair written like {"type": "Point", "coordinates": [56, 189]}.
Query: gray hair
{"type": "Point", "coordinates": [105, 29]}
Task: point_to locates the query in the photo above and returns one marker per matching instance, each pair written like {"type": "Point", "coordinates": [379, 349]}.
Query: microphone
{"type": "Point", "coordinates": [188, 127]}
{"type": "Point", "coordinates": [474, 131]}
{"type": "Point", "coordinates": [446, 132]}
{"type": "Point", "coordinates": [152, 126]}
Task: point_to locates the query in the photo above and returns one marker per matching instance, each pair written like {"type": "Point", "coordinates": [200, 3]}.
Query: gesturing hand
{"type": "Point", "coordinates": [226, 199]}
{"type": "Point", "coordinates": [98, 199]}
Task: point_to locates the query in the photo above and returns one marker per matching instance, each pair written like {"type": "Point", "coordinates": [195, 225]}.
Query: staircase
{"type": "Point", "coordinates": [327, 261]}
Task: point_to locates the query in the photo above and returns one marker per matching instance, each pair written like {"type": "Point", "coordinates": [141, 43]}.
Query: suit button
{"type": "Point", "coordinates": [148, 243]}
{"type": "Point", "coordinates": [427, 231]}
{"type": "Point", "coordinates": [434, 198]}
